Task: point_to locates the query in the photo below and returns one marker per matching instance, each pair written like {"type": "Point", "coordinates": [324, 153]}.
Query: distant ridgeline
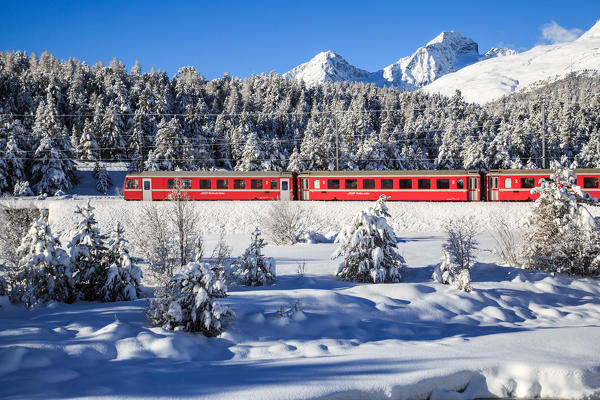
{"type": "Point", "coordinates": [53, 113]}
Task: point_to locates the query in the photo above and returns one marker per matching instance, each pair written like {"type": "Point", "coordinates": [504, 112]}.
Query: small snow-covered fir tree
{"type": "Point", "coordinates": [561, 235]}
{"type": "Point", "coordinates": [88, 250]}
{"type": "Point", "coordinates": [444, 272]}
{"type": "Point", "coordinates": [449, 273]}
{"type": "Point", "coordinates": [462, 281]}
{"type": "Point", "coordinates": [103, 182]}
{"type": "Point", "coordinates": [123, 278]}
{"type": "Point", "coordinates": [189, 304]}
{"type": "Point", "coordinates": [369, 247]}
{"type": "Point", "coordinates": [252, 268]}
{"type": "Point", "coordinates": [43, 273]}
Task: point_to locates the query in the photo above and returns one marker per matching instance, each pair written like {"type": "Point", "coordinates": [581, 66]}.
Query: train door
{"type": "Point", "coordinates": [284, 191]}
{"type": "Point", "coordinates": [473, 188]}
{"type": "Point", "coordinates": [147, 189]}
{"type": "Point", "coordinates": [493, 188]}
{"type": "Point", "coordinates": [304, 193]}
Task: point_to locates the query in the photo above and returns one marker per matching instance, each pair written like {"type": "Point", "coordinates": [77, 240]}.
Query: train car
{"type": "Point", "coordinates": [516, 184]}
{"type": "Point", "coordinates": [440, 185]}
{"type": "Point", "coordinates": [210, 185]}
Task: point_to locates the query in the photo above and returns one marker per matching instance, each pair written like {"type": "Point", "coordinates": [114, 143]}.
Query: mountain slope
{"type": "Point", "coordinates": [491, 79]}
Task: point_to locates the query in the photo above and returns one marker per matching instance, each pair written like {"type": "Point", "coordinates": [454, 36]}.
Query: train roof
{"type": "Point", "coordinates": [200, 174]}
{"type": "Point", "coordinates": [548, 172]}
{"type": "Point", "coordinates": [392, 173]}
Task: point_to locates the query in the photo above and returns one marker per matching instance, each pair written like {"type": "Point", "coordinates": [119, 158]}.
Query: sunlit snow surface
{"type": "Point", "coordinates": [520, 333]}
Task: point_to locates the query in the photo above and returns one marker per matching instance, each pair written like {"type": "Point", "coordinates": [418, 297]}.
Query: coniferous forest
{"type": "Point", "coordinates": [54, 113]}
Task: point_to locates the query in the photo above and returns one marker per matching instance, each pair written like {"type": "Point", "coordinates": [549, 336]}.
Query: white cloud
{"type": "Point", "coordinates": [554, 33]}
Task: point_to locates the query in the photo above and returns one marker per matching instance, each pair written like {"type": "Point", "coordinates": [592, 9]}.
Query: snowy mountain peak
{"type": "Point", "coordinates": [327, 66]}
{"type": "Point", "coordinates": [592, 33]}
{"type": "Point", "coordinates": [451, 38]}
{"type": "Point", "coordinates": [447, 52]}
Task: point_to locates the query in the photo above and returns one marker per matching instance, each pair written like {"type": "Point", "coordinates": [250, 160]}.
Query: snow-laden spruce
{"type": "Point", "coordinates": [43, 273]}
{"type": "Point", "coordinates": [103, 182]}
{"type": "Point", "coordinates": [561, 235]}
{"type": "Point", "coordinates": [369, 247]}
{"type": "Point", "coordinates": [252, 268]}
{"type": "Point", "coordinates": [123, 277]}
{"type": "Point", "coordinates": [87, 249]}
{"type": "Point", "coordinates": [188, 302]}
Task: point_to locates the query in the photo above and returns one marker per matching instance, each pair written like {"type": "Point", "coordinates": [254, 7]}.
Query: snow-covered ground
{"type": "Point", "coordinates": [519, 333]}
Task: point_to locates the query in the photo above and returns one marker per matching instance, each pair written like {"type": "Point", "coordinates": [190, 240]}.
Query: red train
{"type": "Point", "coordinates": [455, 185]}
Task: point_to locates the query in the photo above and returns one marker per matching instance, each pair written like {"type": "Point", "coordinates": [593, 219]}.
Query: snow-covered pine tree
{"type": "Point", "coordinates": [368, 245]}
{"type": "Point", "coordinates": [14, 157]}
{"type": "Point", "coordinates": [170, 152]}
{"type": "Point", "coordinates": [189, 304]}
{"type": "Point", "coordinates": [252, 268]}
{"type": "Point", "coordinates": [123, 278]}
{"type": "Point", "coordinates": [88, 148]}
{"type": "Point", "coordinates": [43, 272]}
{"type": "Point", "coordinates": [4, 173]}
{"type": "Point", "coordinates": [103, 182]}
{"type": "Point", "coordinates": [561, 235]}
{"type": "Point", "coordinates": [52, 168]}
{"type": "Point", "coordinates": [88, 251]}
{"type": "Point", "coordinates": [252, 156]}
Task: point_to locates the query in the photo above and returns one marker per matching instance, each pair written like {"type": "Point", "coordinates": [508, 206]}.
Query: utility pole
{"type": "Point", "coordinates": [337, 144]}
{"type": "Point", "coordinates": [543, 135]}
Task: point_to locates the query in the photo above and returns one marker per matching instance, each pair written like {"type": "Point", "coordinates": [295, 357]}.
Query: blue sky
{"type": "Point", "coordinates": [248, 37]}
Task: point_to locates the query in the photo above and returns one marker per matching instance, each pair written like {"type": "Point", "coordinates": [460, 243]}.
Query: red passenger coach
{"type": "Point", "coordinates": [213, 185]}
{"type": "Point", "coordinates": [516, 184]}
{"type": "Point", "coordinates": [398, 185]}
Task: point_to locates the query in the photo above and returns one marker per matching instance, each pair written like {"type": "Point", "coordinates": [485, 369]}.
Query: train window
{"type": "Point", "coordinates": [405, 183]}
{"type": "Point", "coordinates": [222, 184]}
{"type": "Point", "coordinates": [239, 184]}
{"type": "Point", "coordinates": [424, 184]}
{"type": "Point", "coordinates": [387, 183]}
{"type": "Point", "coordinates": [368, 183]}
{"type": "Point", "coordinates": [256, 184]}
{"type": "Point", "coordinates": [351, 184]}
{"type": "Point", "coordinates": [317, 184]}
{"type": "Point", "coordinates": [590, 183]}
{"type": "Point", "coordinates": [507, 183]}
{"type": "Point", "coordinates": [273, 183]}
{"type": "Point", "coordinates": [132, 184]}
{"type": "Point", "coordinates": [172, 184]}
{"type": "Point", "coordinates": [186, 183]}
{"type": "Point", "coordinates": [527, 183]}
{"type": "Point", "coordinates": [442, 183]}
{"type": "Point", "coordinates": [460, 183]}
{"type": "Point", "coordinates": [333, 183]}
{"type": "Point", "coordinates": [205, 183]}
{"type": "Point", "coordinates": [146, 185]}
